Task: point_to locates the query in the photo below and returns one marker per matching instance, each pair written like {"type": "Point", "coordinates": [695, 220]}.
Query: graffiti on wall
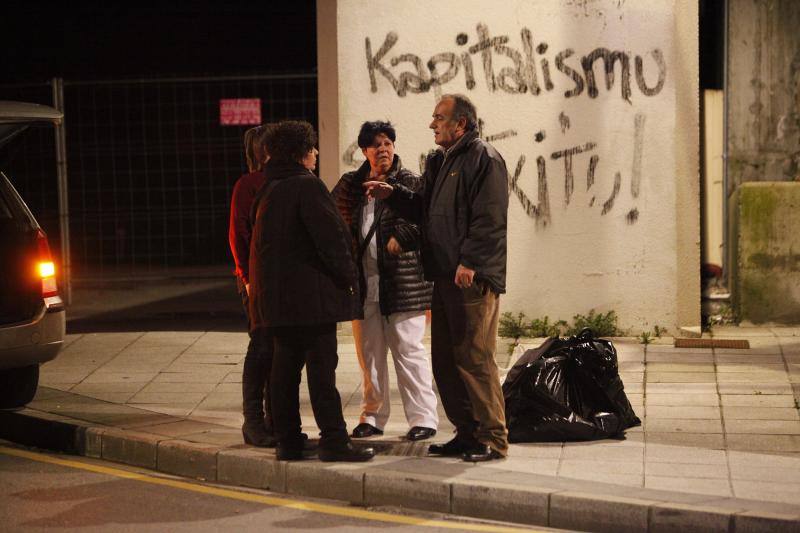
{"type": "Point", "coordinates": [532, 68]}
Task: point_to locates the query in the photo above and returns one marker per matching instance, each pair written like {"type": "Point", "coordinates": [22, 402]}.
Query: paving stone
{"type": "Point", "coordinates": [751, 368]}
{"type": "Point", "coordinates": [756, 389]}
{"type": "Point", "coordinates": [609, 453]}
{"type": "Point", "coordinates": [756, 400]}
{"type": "Point", "coordinates": [761, 413]}
{"type": "Point", "coordinates": [761, 377]}
{"type": "Point", "coordinates": [343, 482]}
{"type": "Point", "coordinates": [178, 388]}
{"type": "Point", "coordinates": [767, 443]}
{"type": "Point", "coordinates": [680, 377]}
{"type": "Point", "coordinates": [129, 447]}
{"type": "Point", "coordinates": [786, 460]}
{"type": "Point", "coordinates": [708, 441]}
{"type": "Point", "coordinates": [681, 388]}
{"type": "Point", "coordinates": [168, 397]}
{"type": "Point", "coordinates": [716, 487]}
{"type": "Point", "coordinates": [655, 452]}
{"type": "Point", "coordinates": [589, 512]}
{"type": "Point", "coordinates": [119, 387]}
{"type": "Point", "coordinates": [686, 412]}
{"type": "Point", "coordinates": [705, 357]}
{"type": "Point", "coordinates": [683, 425]}
{"type": "Point", "coordinates": [686, 470]}
{"type": "Point", "coordinates": [575, 467]}
{"type": "Point", "coordinates": [495, 501]}
{"type": "Point", "coordinates": [680, 367]}
{"type": "Point", "coordinates": [671, 517]}
{"type": "Point", "coordinates": [771, 427]}
{"type": "Point", "coordinates": [766, 474]}
{"type": "Point", "coordinates": [251, 468]}
{"type": "Point", "coordinates": [741, 358]}
{"type": "Point", "coordinates": [413, 491]}
{"type": "Point", "coordinates": [188, 459]}
{"type": "Point", "coordinates": [120, 377]}
{"type": "Point", "coordinates": [668, 399]}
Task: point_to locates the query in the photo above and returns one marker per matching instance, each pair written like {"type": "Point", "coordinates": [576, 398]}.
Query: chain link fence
{"type": "Point", "coordinates": [150, 167]}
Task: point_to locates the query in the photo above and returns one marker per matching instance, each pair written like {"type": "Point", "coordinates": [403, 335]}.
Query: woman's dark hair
{"type": "Point", "coordinates": [289, 140]}
{"type": "Point", "coordinates": [463, 107]}
{"type": "Point", "coordinates": [370, 130]}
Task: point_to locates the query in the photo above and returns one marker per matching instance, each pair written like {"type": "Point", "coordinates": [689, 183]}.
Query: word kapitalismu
{"type": "Point", "coordinates": [523, 73]}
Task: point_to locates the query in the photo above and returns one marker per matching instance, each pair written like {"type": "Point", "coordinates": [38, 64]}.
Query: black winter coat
{"type": "Point", "coordinates": [402, 282]}
{"type": "Point", "coordinates": [301, 263]}
{"type": "Point", "coordinates": [463, 210]}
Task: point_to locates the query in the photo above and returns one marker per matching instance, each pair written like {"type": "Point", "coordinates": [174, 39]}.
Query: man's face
{"type": "Point", "coordinates": [380, 154]}
{"type": "Point", "coordinates": [446, 131]}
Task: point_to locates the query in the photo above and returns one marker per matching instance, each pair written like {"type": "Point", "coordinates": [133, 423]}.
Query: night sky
{"type": "Point", "coordinates": [82, 40]}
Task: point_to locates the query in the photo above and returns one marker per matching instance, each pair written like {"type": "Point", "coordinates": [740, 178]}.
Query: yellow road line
{"type": "Point", "coordinates": [258, 498]}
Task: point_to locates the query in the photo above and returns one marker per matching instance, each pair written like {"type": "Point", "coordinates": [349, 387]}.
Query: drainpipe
{"type": "Point", "coordinates": [63, 200]}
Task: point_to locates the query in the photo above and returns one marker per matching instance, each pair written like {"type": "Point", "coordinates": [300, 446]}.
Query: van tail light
{"type": "Point", "coordinates": [45, 267]}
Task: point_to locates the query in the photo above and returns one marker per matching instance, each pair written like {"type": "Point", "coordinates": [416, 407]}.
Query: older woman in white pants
{"type": "Point", "coordinates": [394, 291]}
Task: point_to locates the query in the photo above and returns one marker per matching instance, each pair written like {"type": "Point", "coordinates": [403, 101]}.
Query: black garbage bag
{"type": "Point", "coordinates": [567, 389]}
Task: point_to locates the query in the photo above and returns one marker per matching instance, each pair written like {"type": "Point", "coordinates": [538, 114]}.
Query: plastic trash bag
{"type": "Point", "coordinates": [567, 389]}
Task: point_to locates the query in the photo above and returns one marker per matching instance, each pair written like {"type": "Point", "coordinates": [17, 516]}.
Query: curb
{"type": "Point", "coordinates": [373, 484]}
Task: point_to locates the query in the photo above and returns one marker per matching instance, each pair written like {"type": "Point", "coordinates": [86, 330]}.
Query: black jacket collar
{"type": "Point", "coordinates": [284, 169]}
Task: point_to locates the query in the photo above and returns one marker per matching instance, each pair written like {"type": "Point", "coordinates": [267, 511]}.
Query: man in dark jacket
{"type": "Point", "coordinates": [463, 208]}
{"type": "Point", "coordinates": [302, 281]}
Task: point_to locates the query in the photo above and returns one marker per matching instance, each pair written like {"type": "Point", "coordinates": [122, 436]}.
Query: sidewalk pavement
{"type": "Point", "coordinates": [718, 450]}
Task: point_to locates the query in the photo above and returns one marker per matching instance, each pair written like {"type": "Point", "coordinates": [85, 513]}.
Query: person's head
{"type": "Point", "coordinates": [453, 117]}
{"type": "Point", "coordinates": [292, 141]}
{"type": "Point", "coordinates": [254, 150]}
{"type": "Point", "coordinates": [376, 140]}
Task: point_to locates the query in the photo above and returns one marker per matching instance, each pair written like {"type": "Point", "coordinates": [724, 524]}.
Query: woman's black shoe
{"type": "Point", "coordinates": [420, 433]}
{"type": "Point", "coordinates": [347, 453]}
{"type": "Point", "coordinates": [364, 430]}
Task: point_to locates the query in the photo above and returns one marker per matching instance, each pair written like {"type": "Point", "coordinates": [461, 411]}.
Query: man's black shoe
{"type": "Point", "coordinates": [450, 448]}
{"type": "Point", "coordinates": [364, 430]}
{"type": "Point", "coordinates": [420, 433]}
{"type": "Point", "coordinates": [348, 453]}
{"type": "Point", "coordinates": [481, 453]}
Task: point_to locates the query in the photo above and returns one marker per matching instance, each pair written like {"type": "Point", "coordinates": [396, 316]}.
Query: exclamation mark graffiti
{"type": "Point", "coordinates": [636, 171]}
{"type": "Point", "coordinates": [638, 147]}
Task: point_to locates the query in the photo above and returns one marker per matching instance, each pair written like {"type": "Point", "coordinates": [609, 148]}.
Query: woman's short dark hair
{"type": "Point", "coordinates": [463, 107]}
{"type": "Point", "coordinates": [370, 130]}
{"type": "Point", "coordinates": [289, 140]}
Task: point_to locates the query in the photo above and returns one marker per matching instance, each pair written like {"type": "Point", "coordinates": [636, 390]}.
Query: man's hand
{"type": "Point", "coordinates": [378, 189]}
{"type": "Point", "coordinates": [464, 277]}
{"type": "Point", "coordinates": [247, 288]}
{"type": "Point", "coordinates": [393, 247]}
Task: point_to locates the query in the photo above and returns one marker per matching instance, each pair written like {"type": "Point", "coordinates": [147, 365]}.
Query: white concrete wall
{"type": "Point", "coordinates": [597, 229]}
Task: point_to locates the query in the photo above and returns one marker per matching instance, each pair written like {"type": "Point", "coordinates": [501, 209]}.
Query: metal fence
{"type": "Point", "coordinates": [150, 168]}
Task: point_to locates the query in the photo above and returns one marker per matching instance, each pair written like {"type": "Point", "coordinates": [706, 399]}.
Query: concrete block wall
{"type": "Point", "coordinates": [764, 257]}
{"type": "Point", "coordinates": [593, 105]}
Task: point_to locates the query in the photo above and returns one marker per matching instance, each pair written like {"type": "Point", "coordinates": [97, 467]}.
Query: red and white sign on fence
{"type": "Point", "coordinates": [239, 111]}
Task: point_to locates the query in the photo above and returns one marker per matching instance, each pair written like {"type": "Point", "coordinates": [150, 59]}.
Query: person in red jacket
{"type": "Point", "coordinates": [257, 428]}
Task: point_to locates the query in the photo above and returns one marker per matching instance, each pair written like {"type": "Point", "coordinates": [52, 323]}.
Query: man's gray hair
{"type": "Point", "coordinates": [463, 107]}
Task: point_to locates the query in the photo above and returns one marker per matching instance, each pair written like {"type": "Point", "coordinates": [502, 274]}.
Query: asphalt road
{"type": "Point", "coordinates": [43, 491]}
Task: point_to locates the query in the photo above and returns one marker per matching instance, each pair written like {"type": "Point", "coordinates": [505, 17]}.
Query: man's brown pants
{"type": "Point", "coordinates": [463, 342]}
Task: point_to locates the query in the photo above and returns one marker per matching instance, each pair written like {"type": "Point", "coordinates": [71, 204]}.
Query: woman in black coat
{"type": "Point", "coordinates": [302, 281]}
